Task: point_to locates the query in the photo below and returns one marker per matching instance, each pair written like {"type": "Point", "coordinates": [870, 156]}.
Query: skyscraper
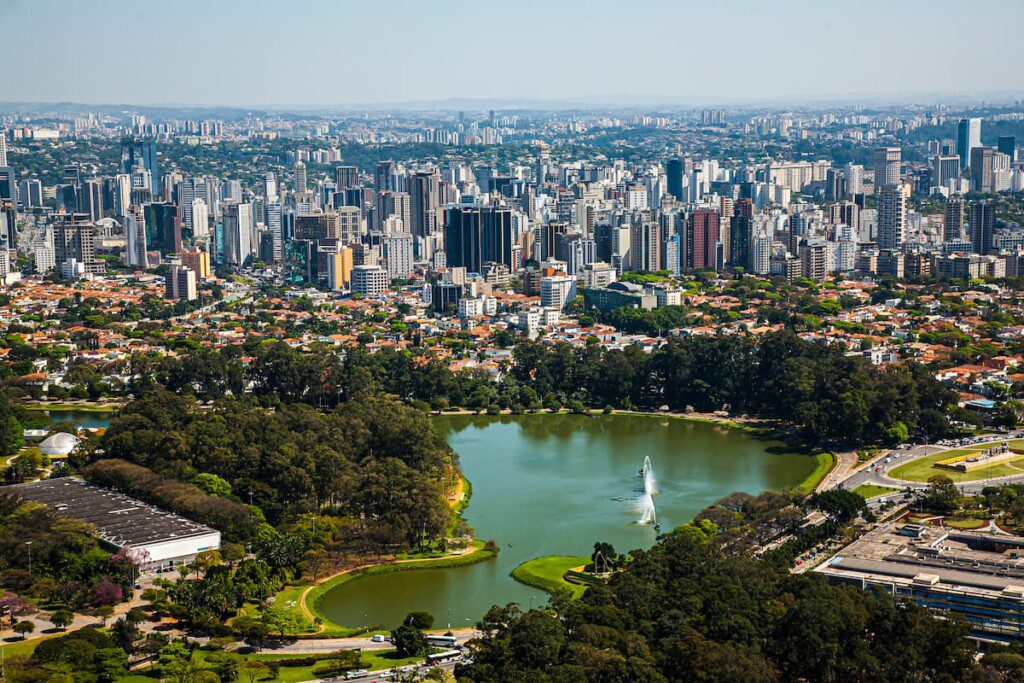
{"type": "Point", "coordinates": [475, 235]}
{"type": "Point", "coordinates": [968, 136]}
{"type": "Point", "coordinates": [702, 239]}
{"type": "Point", "coordinates": [944, 169]}
{"type": "Point", "coordinates": [982, 225]}
{"type": "Point", "coordinates": [238, 244]}
{"type": "Point", "coordinates": [398, 254]}
{"type": "Point", "coordinates": [983, 169]}
{"type": "Point", "coordinates": [645, 246]}
{"type": "Point", "coordinates": [1007, 144]}
{"type": "Point", "coordinates": [887, 166]}
{"type": "Point", "coordinates": [674, 171]}
{"type": "Point", "coordinates": [3, 146]}
{"type": "Point", "coordinates": [953, 230]}
{"type": "Point", "coordinates": [141, 153]}
{"type": "Point", "coordinates": [300, 177]}
{"type": "Point", "coordinates": [892, 216]}
{"type": "Point", "coordinates": [424, 199]}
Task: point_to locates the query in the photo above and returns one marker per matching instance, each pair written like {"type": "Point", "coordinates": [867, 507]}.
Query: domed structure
{"type": "Point", "coordinates": [59, 445]}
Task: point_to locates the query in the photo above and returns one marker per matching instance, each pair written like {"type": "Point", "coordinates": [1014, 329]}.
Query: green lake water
{"type": "Point", "coordinates": [555, 484]}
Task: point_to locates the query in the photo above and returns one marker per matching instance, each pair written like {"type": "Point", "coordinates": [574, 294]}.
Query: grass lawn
{"type": "Point", "coordinates": [81, 407]}
{"type": "Point", "coordinates": [373, 660]}
{"type": "Point", "coordinates": [546, 573]}
{"type": "Point", "coordinates": [870, 490]}
{"type": "Point", "coordinates": [924, 468]}
{"type": "Point", "coordinates": [966, 523]}
{"type": "Point", "coordinates": [823, 464]}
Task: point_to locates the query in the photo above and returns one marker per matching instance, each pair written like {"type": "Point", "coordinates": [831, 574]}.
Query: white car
{"type": "Point", "coordinates": [378, 638]}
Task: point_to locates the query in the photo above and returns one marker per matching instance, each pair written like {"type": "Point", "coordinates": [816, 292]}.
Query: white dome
{"type": "Point", "coordinates": [59, 444]}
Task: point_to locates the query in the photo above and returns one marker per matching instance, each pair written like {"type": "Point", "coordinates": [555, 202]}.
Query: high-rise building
{"type": "Point", "coordinates": [369, 280]}
{"type": "Point", "coordinates": [135, 240]}
{"type": "Point", "coordinates": [887, 166]}
{"type": "Point", "coordinates": [854, 174]}
{"type": "Point", "coordinates": [238, 233]}
{"type": "Point", "coordinates": [892, 216]}
{"type": "Point", "coordinates": [3, 146]}
{"type": "Point", "coordinates": [1006, 144]}
{"type": "Point", "coordinates": [140, 153]}
{"type": "Point", "coordinates": [674, 171]}
{"type": "Point", "coordinates": [300, 177]}
{"type": "Point", "coordinates": [556, 291]}
{"type": "Point", "coordinates": [645, 246]}
{"type": "Point", "coordinates": [982, 226]}
{"type": "Point", "coordinates": [944, 169]}
{"type": "Point", "coordinates": [475, 235]}
{"type": "Point", "coordinates": [384, 177]}
{"type": "Point", "coordinates": [180, 284]}
{"type": "Point", "coordinates": [198, 261]}
{"type": "Point", "coordinates": [92, 199]}
{"type": "Point", "coordinates": [702, 239]}
{"type": "Point", "coordinates": [424, 199]}
{"type": "Point", "coordinates": [983, 169]}
{"type": "Point", "coordinates": [74, 238]}
{"type": "Point", "coordinates": [953, 230]}
{"type": "Point", "coordinates": [346, 177]}
{"type": "Point", "coordinates": [9, 184]}
{"type": "Point", "coordinates": [398, 257]}
{"type": "Point", "coordinates": [163, 227]}
{"type": "Point", "coordinates": [968, 136]}
{"type": "Point", "coordinates": [339, 269]}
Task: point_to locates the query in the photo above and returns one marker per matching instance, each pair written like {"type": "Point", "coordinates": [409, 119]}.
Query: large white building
{"type": "Point", "coordinates": [154, 537]}
{"type": "Point", "coordinates": [556, 291]}
{"type": "Point", "coordinates": [369, 280]}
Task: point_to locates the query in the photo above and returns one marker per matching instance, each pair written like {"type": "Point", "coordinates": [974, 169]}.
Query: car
{"type": "Point", "coordinates": [378, 638]}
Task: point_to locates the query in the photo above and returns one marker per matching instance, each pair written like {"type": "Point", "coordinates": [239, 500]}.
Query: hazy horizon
{"type": "Point", "coordinates": [319, 54]}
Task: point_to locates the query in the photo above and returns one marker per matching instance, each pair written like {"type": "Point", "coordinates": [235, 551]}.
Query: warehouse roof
{"type": "Point", "coordinates": [121, 521]}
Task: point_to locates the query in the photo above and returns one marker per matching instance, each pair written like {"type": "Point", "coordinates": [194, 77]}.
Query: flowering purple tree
{"type": "Point", "coordinates": [106, 592]}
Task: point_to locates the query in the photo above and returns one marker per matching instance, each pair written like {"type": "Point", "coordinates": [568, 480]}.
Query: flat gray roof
{"type": "Point", "coordinates": [120, 520]}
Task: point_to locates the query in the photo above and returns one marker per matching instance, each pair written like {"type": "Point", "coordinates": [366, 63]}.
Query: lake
{"type": "Point", "coordinates": [556, 484]}
{"type": "Point", "coordinates": [82, 418]}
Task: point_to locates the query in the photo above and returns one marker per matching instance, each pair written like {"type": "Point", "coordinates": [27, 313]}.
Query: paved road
{"type": "Point", "coordinates": [319, 645]}
{"type": "Point", "coordinates": [868, 475]}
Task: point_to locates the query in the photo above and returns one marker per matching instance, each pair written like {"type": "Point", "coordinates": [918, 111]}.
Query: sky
{"type": "Point", "coordinates": [340, 52]}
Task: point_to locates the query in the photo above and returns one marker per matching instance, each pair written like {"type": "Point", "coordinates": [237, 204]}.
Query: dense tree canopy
{"type": "Point", "coordinates": [374, 459]}
{"type": "Point", "coordinates": [686, 611]}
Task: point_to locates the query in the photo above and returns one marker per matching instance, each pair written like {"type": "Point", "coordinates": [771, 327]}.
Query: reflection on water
{"type": "Point", "coordinates": [556, 484]}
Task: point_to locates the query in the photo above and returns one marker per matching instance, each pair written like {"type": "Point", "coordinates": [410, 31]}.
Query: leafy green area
{"type": "Point", "coordinates": [547, 574]}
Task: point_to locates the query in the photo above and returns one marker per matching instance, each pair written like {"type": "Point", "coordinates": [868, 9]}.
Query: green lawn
{"type": "Point", "coordinates": [823, 464]}
{"type": "Point", "coordinates": [373, 660]}
{"type": "Point", "coordinates": [965, 523]}
{"type": "Point", "coordinates": [924, 468]}
{"type": "Point", "coordinates": [870, 490]}
{"type": "Point", "coordinates": [546, 573]}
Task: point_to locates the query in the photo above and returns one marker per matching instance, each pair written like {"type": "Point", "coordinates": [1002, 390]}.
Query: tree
{"type": "Point", "coordinates": [62, 618]}
{"type": "Point", "coordinates": [24, 627]}
{"type": "Point", "coordinates": [254, 670]}
{"type": "Point", "coordinates": [104, 612]}
{"type": "Point", "coordinates": [420, 620]}
{"type": "Point", "coordinates": [409, 641]}
{"type": "Point", "coordinates": [841, 504]}
{"type": "Point", "coordinates": [111, 664]}
{"type": "Point", "coordinates": [941, 496]}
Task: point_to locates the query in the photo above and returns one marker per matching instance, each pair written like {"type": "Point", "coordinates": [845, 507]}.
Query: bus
{"type": "Point", "coordinates": [442, 657]}
{"type": "Point", "coordinates": [434, 640]}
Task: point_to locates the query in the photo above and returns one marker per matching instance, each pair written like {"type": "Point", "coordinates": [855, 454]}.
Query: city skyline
{"type": "Point", "coordinates": [347, 55]}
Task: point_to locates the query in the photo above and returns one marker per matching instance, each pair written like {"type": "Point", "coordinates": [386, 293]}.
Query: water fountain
{"type": "Point", "coordinates": [645, 502]}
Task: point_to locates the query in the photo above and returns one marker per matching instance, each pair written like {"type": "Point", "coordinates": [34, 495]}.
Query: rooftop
{"type": "Point", "coordinates": [121, 521]}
